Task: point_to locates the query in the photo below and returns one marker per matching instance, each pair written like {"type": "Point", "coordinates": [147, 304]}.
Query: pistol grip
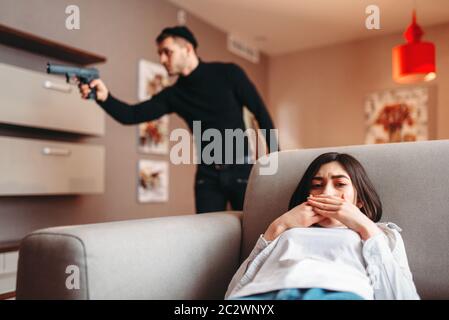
{"type": "Point", "coordinates": [92, 94]}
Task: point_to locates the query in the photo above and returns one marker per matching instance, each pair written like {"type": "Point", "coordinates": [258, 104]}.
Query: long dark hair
{"type": "Point", "coordinates": [372, 206]}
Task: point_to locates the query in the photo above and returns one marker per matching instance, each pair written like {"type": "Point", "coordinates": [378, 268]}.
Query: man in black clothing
{"type": "Point", "coordinates": [212, 93]}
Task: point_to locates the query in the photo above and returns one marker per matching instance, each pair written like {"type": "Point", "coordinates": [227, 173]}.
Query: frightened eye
{"type": "Point", "coordinates": [315, 186]}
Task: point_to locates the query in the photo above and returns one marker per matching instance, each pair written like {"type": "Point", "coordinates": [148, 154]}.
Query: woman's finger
{"type": "Point", "coordinates": [324, 196]}
{"type": "Point", "coordinates": [327, 200]}
{"type": "Point", "coordinates": [324, 206]}
{"type": "Point", "coordinates": [317, 218]}
{"type": "Point", "coordinates": [325, 213]}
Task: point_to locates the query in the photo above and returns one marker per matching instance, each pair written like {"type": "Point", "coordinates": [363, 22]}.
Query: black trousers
{"type": "Point", "coordinates": [216, 185]}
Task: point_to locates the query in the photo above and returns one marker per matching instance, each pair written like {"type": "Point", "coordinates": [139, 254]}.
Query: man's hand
{"type": "Point", "coordinates": [102, 90]}
{"type": "Point", "coordinates": [301, 216]}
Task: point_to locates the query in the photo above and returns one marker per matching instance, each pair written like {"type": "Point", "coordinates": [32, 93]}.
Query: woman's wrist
{"type": "Point", "coordinates": [369, 230]}
{"type": "Point", "coordinates": [274, 230]}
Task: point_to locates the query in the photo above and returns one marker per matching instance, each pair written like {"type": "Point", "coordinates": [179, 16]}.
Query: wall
{"type": "Point", "coordinates": [123, 31]}
{"type": "Point", "coordinates": [317, 96]}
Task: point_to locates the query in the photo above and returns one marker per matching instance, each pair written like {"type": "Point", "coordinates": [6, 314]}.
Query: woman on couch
{"type": "Point", "coordinates": [329, 245]}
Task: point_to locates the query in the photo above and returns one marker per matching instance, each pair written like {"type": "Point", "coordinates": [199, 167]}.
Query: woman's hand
{"type": "Point", "coordinates": [345, 212]}
{"type": "Point", "coordinates": [301, 216]}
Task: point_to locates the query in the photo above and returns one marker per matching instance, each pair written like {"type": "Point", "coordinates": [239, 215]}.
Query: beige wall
{"type": "Point", "coordinates": [317, 96]}
{"type": "Point", "coordinates": [123, 31]}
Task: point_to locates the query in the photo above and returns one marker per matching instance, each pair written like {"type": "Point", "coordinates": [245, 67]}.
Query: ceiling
{"type": "Point", "coordinates": [282, 26]}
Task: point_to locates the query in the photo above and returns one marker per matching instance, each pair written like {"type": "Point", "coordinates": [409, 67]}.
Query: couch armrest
{"type": "Point", "coordinates": [177, 257]}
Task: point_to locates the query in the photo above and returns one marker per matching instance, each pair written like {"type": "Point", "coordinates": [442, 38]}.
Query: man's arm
{"type": "Point", "coordinates": [249, 97]}
{"type": "Point", "coordinates": [147, 110]}
{"type": "Point", "coordinates": [124, 113]}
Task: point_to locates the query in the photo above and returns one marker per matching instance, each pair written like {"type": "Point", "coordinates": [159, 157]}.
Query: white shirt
{"type": "Point", "coordinates": [329, 258]}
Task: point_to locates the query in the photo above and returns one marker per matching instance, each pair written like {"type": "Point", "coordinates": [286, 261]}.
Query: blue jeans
{"type": "Point", "coordinates": [302, 294]}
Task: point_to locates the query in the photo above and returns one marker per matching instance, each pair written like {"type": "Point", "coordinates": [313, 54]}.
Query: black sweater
{"type": "Point", "coordinates": [213, 93]}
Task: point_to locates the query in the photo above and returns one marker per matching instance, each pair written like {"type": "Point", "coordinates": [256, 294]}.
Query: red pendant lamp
{"type": "Point", "coordinates": [414, 61]}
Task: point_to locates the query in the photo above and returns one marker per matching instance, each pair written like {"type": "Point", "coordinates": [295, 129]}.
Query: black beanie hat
{"type": "Point", "coordinates": [178, 31]}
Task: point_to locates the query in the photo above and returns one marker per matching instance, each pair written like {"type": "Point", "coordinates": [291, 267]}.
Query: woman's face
{"type": "Point", "coordinates": [332, 179]}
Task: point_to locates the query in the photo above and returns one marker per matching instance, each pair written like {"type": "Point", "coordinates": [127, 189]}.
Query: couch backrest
{"type": "Point", "coordinates": [412, 180]}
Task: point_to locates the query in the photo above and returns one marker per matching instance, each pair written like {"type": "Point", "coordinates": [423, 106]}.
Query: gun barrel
{"type": "Point", "coordinates": [88, 73]}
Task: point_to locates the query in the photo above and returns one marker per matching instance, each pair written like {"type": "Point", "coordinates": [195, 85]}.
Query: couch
{"type": "Point", "coordinates": [195, 256]}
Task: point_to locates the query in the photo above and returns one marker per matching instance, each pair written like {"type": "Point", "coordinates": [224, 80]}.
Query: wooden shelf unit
{"type": "Point", "coordinates": [38, 45]}
{"type": "Point", "coordinates": [9, 246]}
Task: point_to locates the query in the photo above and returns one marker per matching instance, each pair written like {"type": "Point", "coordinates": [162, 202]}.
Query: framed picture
{"type": "Point", "coordinates": [152, 79]}
{"type": "Point", "coordinates": [153, 136]}
{"type": "Point", "coordinates": [397, 115]}
{"type": "Point", "coordinates": [152, 181]}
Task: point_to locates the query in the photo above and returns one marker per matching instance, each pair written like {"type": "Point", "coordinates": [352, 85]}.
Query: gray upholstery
{"type": "Point", "coordinates": [182, 257]}
{"type": "Point", "coordinates": [195, 256]}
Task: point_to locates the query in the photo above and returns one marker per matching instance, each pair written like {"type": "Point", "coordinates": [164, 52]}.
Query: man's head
{"type": "Point", "coordinates": [177, 49]}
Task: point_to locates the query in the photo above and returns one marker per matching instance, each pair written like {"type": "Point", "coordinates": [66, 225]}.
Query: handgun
{"type": "Point", "coordinates": [84, 75]}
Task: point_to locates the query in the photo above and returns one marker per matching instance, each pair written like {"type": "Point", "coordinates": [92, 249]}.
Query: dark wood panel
{"type": "Point", "coordinates": [29, 42]}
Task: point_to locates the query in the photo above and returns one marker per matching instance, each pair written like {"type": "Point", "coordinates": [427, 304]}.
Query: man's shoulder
{"type": "Point", "coordinates": [221, 65]}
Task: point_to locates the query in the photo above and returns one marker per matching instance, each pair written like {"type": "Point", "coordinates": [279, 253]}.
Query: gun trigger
{"type": "Point", "coordinates": [72, 79]}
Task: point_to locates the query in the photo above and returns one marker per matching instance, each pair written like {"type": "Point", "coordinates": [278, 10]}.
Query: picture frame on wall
{"type": "Point", "coordinates": [399, 115]}
{"type": "Point", "coordinates": [153, 136]}
{"type": "Point", "coordinates": [153, 181]}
